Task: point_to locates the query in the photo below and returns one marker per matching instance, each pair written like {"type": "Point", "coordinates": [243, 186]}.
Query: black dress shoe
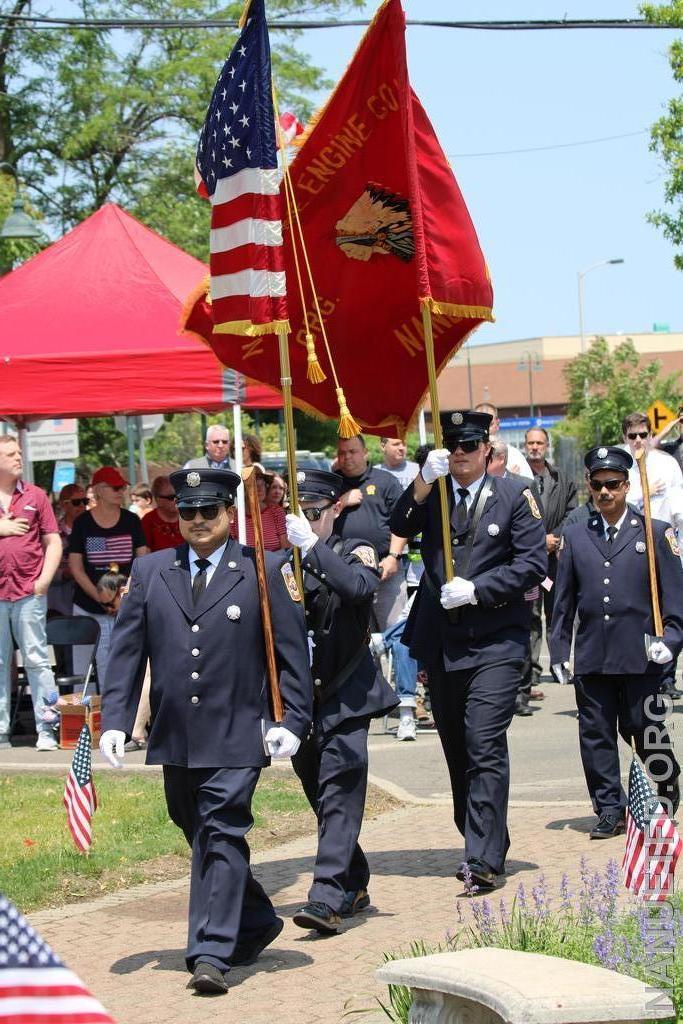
{"type": "Point", "coordinates": [608, 827]}
{"type": "Point", "coordinates": [354, 902]}
{"type": "Point", "coordinates": [672, 691]}
{"type": "Point", "coordinates": [671, 793]}
{"type": "Point", "coordinates": [522, 705]}
{"type": "Point", "coordinates": [208, 980]}
{"type": "Point", "coordinates": [247, 953]}
{"type": "Point", "coordinates": [477, 873]}
{"type": "Point", "coordinates": [318, 916]}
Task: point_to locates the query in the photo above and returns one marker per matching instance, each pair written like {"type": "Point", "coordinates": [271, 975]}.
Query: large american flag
{"type": "Point", "coordinates": [237, 164]}
{"type": "Point", "coordinates": [80, 798]}
{"type": "Point", "coordinates": [653, 845]}
{"type": "Point", "coordinates": [35, 986]}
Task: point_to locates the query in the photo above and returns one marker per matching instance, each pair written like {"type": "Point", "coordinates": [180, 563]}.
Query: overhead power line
{"type": "Point", "coordinates": [557, 145]}
{"type": "Point", "coordinates": [35, 22]}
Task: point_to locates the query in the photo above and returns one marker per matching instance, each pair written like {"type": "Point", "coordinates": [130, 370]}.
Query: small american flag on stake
{"type": "Point", "coordinates": [80, 798]}
{"type": "Point", "coordinates": [35, 986]}
{"type": "Point", "coordinates": [237, 167]}
{"type": "Point", "coordinates": [653, 845]}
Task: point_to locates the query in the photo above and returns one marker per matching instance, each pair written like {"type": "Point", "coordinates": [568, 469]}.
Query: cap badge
{"type": "Point", "coordinates": [494, 530]}
{"type": "Point", "coordinates": [602, 453]}
{"type": "Point", "coordinates": [456, 418]}
{"type": "Point", "coordinates": [193, 479]}
{"type": "Point", "coordinates": [640, 546]}
{"type": "Point", "coordinates": [233, 611]}
{"type": "Point", "coordinates": [301, 477]}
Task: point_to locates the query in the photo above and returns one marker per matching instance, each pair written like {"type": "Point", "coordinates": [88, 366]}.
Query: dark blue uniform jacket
{"type": "Point", "coordinates": [209, 688]}
{"type": "Point", "coordinates": [608, 586]}
{"type": "Point", "coordinates": [508, 558]}
{"type": "Point", "coordinates": [340, 579]}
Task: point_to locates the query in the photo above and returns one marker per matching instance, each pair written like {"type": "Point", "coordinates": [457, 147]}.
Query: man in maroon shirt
{"type": "Point", "coordinates": [30, 552]}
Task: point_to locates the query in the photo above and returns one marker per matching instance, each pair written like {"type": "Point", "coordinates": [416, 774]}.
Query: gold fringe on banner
{"type": "Point", "coordinates": [451, 309]}
{"type": "Point", "coordinates": [251, 330]}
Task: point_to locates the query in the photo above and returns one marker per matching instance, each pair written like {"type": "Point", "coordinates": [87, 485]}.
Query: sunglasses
{"type": "Point", "coordinates": [207, 512]}
{"type": "Point", "coordinates": [466, 446]}
{"type": "Point", "coordinates": [220, 442]}
{"type": "Point", "coordinates": [75, 501]}
{"type": "Point", "coordinates": [314, 514]}
{"type": "Point", "coordinates": [166, 497]}
{"type": "Point", "coordinates": [611, 485]}
{"type": "Point", "coordinates": [642, 434]}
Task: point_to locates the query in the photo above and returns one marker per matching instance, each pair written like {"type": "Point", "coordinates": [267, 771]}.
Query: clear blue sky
{"type": "Point", "coordinates": [541, 217]}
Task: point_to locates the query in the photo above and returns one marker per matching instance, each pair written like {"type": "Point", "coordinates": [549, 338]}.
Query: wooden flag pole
{"type": "Point", "coordinates": [276, 704]}
{"type": "Point", "coordinates": [438, 441]}
{"type": "Point", "coordinates": [650, 544]}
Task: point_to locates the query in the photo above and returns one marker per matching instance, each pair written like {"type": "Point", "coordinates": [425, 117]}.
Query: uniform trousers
{"type": "Point", "coordinates": [212, 806]}
{"type": "Point", "coordinates": [472, 710]}
{"type": "Point", "coordinates": [608, 703]}
{"type": "Point", "coordinates": [333, 768]}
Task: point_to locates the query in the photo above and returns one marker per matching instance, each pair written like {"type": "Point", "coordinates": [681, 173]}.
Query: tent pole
{"type": "Point", "coordinates": [130, 439]}
{"type": "Point", "coordinates": [237, 437]}
{"type": "Point", "coordinates": [144, 472]}
{"type": "Point", "coordinates": [27, 472]}
{"type": "Point", "coordinates": [422, 426]}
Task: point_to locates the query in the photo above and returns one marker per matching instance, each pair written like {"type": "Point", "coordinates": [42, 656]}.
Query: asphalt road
{"type": "Point", "coordinates": [544, 755]}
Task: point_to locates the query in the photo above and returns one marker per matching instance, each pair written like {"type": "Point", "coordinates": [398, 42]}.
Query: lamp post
{"type": "Point", "coordinates": [532, 363]}
{"type": "Point", "coordinates": [18, 224]}
{"type": "Point", "coordinates": [581, 275]}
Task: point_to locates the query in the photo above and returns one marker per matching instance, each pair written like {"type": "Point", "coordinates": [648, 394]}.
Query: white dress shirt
{"type": "Point", "coordinates": [471, 489]}
{"type": "Point", "coordinates": [618, 525]}
{"type": "Point", "coordinates": [661, 468]}
{"type": "Point", "coordinates": [214, 559]}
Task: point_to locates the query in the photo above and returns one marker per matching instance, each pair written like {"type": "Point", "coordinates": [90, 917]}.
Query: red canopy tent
{"type": "Point", "coordinates": [89, 327]}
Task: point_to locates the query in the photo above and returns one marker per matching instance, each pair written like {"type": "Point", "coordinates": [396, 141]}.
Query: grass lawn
{"type": "Point", "coordinates": [134, 839]}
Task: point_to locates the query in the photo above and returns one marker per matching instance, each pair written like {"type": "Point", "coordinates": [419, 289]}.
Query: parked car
{"type": "Point", "coordinates": [276, 462]}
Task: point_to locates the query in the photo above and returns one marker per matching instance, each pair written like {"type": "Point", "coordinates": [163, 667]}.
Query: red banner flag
{"type": "Point", "coordinates": [385, 227]}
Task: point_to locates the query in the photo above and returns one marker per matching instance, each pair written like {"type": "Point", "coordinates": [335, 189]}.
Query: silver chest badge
{"type": "Point", "coordinates": [640, 546]}
{"type": "Point", "coordinates": [494, 530]}
{"type": "Point", "coordinates": [233, 611]}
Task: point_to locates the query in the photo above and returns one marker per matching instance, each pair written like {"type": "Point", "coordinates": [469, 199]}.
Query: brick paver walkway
{"type": "Point", "coordinates": [129, 947]}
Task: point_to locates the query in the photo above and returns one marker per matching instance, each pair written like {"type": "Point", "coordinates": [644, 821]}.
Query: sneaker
{"type": "Point", "coordinates": [4, 742]}
{"type": "Point", "coordinates": [407, 729]}
{"type": "Point", "coordinates": [354, 902]}
{"type": "Point", "coordinates": [46, 741]}
{"type": "Point", "coordinates": [319, 917]}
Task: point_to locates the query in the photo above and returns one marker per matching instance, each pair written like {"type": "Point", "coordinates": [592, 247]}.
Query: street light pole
{"type": "Point", "coordinates": [581, 275]}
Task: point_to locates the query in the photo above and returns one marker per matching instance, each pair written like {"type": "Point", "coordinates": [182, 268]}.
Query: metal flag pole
{"type": "Point", "coordinates": [438, 441]}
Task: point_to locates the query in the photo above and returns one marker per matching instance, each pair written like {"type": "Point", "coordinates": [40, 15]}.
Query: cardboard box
{"type": "Point", "coordinates": [74, 716]}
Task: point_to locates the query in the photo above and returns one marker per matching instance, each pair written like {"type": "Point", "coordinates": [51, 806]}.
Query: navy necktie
{"type": "Point", "coordinates": [199, 581]}
{"type": "Point", "coordinates": [611, 533]}
{"type": "Point", "coordinates": [461, 510]}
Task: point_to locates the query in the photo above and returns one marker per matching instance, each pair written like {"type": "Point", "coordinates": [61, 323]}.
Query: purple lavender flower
{"type": "Point", "coordinates": [565, 892]}
{"type": "Point", "coordinates": [485, 920]}
{"type": "Point", "coordinates": [604, 947]}
{"type": "Point", "coordinates": [504, 914]}
{"type": "Point", "coordinates": [471, 886]}
{"type": "Point", "coordinates": [520, 898]}
{"type": "Point", "coordinates": [540, 897]}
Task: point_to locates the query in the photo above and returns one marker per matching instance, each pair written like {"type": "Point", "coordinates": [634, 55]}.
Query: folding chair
{"type": "Point", "coordinates": [63, 633]}
{"type": "Point", "coordinates": [66, 632]}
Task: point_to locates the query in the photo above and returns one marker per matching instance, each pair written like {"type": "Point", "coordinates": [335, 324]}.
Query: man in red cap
{"type": "Point", "coordinates": [105, 539]}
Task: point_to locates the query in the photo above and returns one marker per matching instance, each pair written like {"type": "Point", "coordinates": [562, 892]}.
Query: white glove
{"type": "Point", "coordinates": [112, 743]}
{"type": "Point", "coordinates": [457, 592]}
{"type": "Point", "coordinates": [300, 532]}
{"type": "Point", "coordinates": [562, 672]}
{"type": "Point", "coordinates": [281, 742]}
{"type": "Point", "coordinates": [436, 465]}
{"type": "Point", "coordinates": [660, 653]}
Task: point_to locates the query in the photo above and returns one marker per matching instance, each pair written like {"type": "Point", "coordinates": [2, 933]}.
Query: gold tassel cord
{"type": "Point", "coordinates": [314, 371]}
{"type": "Point", "coordinates": [348, 427]}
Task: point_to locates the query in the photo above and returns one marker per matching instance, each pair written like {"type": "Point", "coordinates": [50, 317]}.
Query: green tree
{"type": "Point", "coordinates": [94, 115]}
{"type": "Point", "coordinates": [667, 135]}
{"type": "Point", "coordinates": [605, 386]}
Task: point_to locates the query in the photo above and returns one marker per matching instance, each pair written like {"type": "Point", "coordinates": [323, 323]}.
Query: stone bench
{"type": "Point", "coordinates": [503, 986]}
